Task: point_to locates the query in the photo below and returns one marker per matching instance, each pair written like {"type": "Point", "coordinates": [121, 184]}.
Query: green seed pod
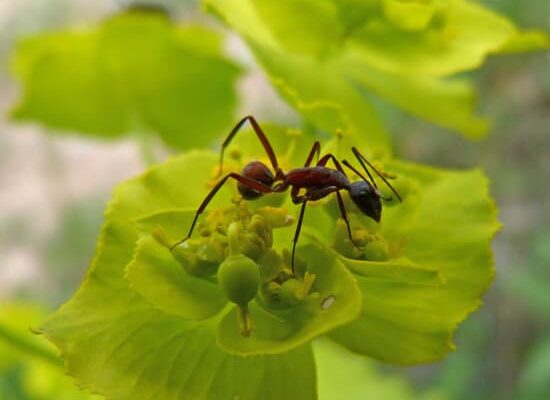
{"type": "Point", "coordinates": [377, 250]}
{"type": "Point", "coordinates": [239, 278]}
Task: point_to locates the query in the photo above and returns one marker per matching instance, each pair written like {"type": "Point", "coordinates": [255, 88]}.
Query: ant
{"type": "Point", "coordinates": [256, 179]}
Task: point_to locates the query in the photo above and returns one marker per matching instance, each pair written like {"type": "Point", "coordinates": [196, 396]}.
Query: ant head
{"type": "Point", "coordinates": [259, 172]}
{"type": "Point", "coordinates": [367, 198]}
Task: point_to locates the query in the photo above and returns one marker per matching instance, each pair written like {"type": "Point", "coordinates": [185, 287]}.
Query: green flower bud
{"type": "Point", "coordinates": [160, 236]}
{"type": "Point", "coordinates": [291, 292]}
{"type": "Point", "coordinates": [251, 245]}
{"type": "Point", "coordinates": [271, 264]}
{"type": "Point", "coordinates": [409, 15]}
{"type": "Point", "coordinates": [377, 250]}
{"type": "Point", "coordinates": [260, 227]}
{"type": "Point", "coordinates": [276, 217]}
{"type": "Point", "coordinates": [197, 258]}
{"type": "Point", "coordinates": [343, 245]}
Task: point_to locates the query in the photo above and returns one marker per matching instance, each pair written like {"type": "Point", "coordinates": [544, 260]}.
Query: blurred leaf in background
{"type": "Point", "coordinates": [330, 58]}
{"type": "Point", "coordinates": [67, 252]}
{"type": "Point", "coordinates": [346, 376]}
{"type": "Point", "coordinates": [136, 72]}
{"type": "Point", "coordinates": [29, 367]}
{"type": "Point", "coordinates": [529, 284]}
{"type": "Point", "coordinates": [534, 383]}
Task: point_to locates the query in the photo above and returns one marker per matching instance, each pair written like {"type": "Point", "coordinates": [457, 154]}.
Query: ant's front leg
{"type": "Point", "coordinates": [315, 150]}
{"type": "Point", "coordinates": [323, 192]}
{"type": "Point", "coordinates": [260, 187]}
{"type": "Point", "coordinates": [312, 195]}
{"type": "Point", "coordinates": [344, 216]}
{"type": "Point", "coordinates": [324, 160]}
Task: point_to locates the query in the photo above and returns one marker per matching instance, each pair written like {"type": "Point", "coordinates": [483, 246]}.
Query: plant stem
{"type": "Point", "coordinates": [233, 239]}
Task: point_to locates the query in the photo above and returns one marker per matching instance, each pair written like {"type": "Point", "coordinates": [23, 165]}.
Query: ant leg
{"type": "Point", "coordinates": [344, 216]}
{"type": "Point", "coordinates": [315, 149]}
{"type": "Point", "coordinates": [324, 160]}
{"type": "Point", "coordinates": [260, 187]}
{"type": "Point", "coordinates": [318, 194]}
{"type": "Point", "coordinates": [362, 160]}
{"type": "Point", "coordinates": [261, 136]}
{"type": "Point", "coordinates": [297, 234]}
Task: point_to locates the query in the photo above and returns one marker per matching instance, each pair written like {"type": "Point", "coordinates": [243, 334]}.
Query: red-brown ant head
{"type": "Point", "coordinates": [367, 198]}
{"type": "Point", "coordinates": [259, 172]}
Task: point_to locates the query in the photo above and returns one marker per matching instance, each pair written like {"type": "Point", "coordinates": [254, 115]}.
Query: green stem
{"type": "Point", "coordinates": [245, 321]}
{"type": "Point", "coordinates": [233, 239]}
{"type": "Point", "coordinates": [28, 346]}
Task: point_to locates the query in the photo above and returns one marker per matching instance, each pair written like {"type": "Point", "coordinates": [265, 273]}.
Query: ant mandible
{"type": "Point", "coordinates": [256, 179]}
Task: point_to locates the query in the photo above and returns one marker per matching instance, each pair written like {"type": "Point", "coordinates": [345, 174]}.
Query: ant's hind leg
{"type": "Point", "coordinates": [260, 187]}
{"type": "Point", "coordinates": [261, 136]}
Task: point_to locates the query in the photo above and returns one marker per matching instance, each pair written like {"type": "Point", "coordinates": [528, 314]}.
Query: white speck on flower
{"type": "Point", "coordinates": [328, 302]}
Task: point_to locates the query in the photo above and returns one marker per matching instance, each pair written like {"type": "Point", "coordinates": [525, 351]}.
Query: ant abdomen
{"type": "Point", "coordinates": [259, 172]}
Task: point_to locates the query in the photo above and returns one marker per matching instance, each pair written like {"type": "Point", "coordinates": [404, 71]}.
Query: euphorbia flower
{"type": "Point", "coordinates": [150, 322]}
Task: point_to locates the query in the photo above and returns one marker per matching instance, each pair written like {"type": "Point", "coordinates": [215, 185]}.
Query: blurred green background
{"type": "Point", "coordinates": [53, 189]}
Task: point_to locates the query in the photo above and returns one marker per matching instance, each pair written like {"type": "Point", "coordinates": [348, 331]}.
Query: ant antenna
{"type": "Point", "coordinates": [360, 157]}
{"type": "Point", "coordinates": [378, 192]}
{"type": "Point", "coordinates": [371, 181]}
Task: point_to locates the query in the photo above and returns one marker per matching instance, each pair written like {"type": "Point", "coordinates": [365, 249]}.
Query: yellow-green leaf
{"type": "Point", "coordinates": [135, 73]}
